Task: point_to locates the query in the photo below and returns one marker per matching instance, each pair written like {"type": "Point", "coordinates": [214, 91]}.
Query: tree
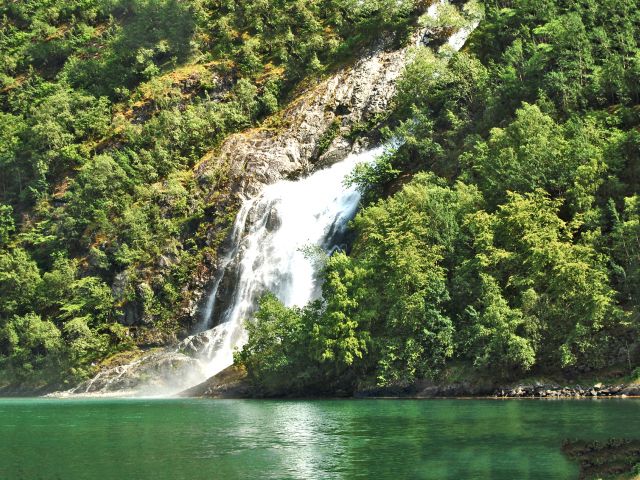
{"type": "Point", "coordinates": [502, 339]}
{"type": "Point", "coordinates": [83, 346]}
{"type": "Point", "coordinates": [275, 344]}
{"type": "Point", "coordinates": [100, 191]}
{"type": "Point", "coordinates": [559, 295]}
{"type": "Point", "coordinates": [626, 249]}
{"type": "Point", "coordinates": [31, 348]}
{"type": "Point", "coordinates": [19, 280]}
{"type": "Point", "coordinates": [340, 335]}
{"type": "Point", "coordinates": [526, 155]}
{"type": "Point", "coordinates": [7, 225]}
{"type": "Point", "coordinates": [404, 244]}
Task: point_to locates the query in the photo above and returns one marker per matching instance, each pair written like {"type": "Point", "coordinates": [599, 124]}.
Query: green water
{"type": "Point", "coordinates": [228, 439]}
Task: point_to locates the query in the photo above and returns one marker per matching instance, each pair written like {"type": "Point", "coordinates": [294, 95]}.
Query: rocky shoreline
{"type": "Point", "coordinates": [538, 390]}
{"type": "Point", "coordinates": [233, 383]}
{"type": "Point", "coordinates": [555, 391]}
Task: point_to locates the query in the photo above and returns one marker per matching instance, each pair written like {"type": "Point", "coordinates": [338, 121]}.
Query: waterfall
{"type": "Point", "coordinates": [265, 252]}
{"type": "Point", "coordinates": [286, 221]}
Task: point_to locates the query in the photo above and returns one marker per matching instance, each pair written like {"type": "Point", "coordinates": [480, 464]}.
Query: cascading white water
{"type": "Point", "coordinates": [285, 220]}
{"type": "Point", "coordinates": [234, 239]}
{"type": "Point", "coordinates": [268, 242]}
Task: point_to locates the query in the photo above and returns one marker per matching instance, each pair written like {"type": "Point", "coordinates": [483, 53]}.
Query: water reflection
{"type": "Point", "coordinates": [307, 435]}
{"type": "Point", "coordinates": [111, 439]}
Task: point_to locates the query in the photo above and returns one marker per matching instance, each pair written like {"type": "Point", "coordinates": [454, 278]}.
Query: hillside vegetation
{"type": "Point", "coordinates": [106, 107]}
{"type": "Point", "coordinates": [502, 231]}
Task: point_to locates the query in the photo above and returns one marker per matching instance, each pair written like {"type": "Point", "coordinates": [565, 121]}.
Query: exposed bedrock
{"type": "Point", "coordinates": [311, 130]}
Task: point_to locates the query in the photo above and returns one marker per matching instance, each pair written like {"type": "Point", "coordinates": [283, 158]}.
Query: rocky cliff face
{"type": "Point", "coordinates": [311, 130]}
{"type": "Point", "coordinates": [157, 372]}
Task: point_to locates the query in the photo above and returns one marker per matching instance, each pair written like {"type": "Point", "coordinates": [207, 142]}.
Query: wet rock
{"type": "Point", "coordinates": [230, 383]}
{"type": "Point", "coordinates": [157, 372]}
{"type": "Point", "coordinates": [193, 345]}
{"type": "Point", "coordinates": [119, 286]}
{"type": "Point", "coordinates": [631, 391]}
{"type": "Point", "coordinates": [131, 314]}
{"type": "Point", "coordinates": [273, 220]}
{"type": "Point", "coordinates": [557, 391]}
{"type": "Point", "coordinates": [166, 261]}
{"type": "Point", "coordinates": [615, 458]}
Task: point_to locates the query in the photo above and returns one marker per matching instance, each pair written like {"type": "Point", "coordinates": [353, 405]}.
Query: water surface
{"type": "Point", "coordinates": [341, 439]}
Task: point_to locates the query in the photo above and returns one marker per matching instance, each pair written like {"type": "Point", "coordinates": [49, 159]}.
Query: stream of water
{"type": "Point", "coordinates": [286, 223]}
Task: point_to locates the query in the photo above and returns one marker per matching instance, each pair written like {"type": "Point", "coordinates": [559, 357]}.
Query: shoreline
{"type": "Point", "coordinates": [234, 383]}
{"type": "Point", "coordinates": [356, 397]}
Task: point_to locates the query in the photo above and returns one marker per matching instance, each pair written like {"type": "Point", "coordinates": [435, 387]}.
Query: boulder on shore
{"type": "Point", "coordinates": [229, 383]}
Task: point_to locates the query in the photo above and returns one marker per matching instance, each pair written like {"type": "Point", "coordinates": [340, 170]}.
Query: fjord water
{"type": "Point", "coordinates": [335, 439]}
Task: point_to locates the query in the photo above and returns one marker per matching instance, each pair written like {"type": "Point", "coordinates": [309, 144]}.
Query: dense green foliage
{"type": "Point", "coordinates": [106, 106]}
{"type": "Point", "coordinates": [501, 230]}
{"type": "Point", "coordinates": [519, 250]}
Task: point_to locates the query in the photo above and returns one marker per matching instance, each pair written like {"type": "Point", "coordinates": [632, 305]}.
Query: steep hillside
{"type": "Point", "coordinates": [110, 221]}
{"type": "Point", "coordinates": [500, 240]}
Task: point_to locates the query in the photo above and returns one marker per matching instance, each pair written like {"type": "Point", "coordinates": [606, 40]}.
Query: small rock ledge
{"type": "Point", "coordinates": [556, 391]}
{"type": "Point", "coordinates": [466, 389]}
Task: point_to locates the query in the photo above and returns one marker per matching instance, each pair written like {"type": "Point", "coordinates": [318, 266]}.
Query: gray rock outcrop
{"type": "Point", "coordinates": [323, 114]}
{"type": "Point", "coordinates": [157, 372]}
{"type": "Point", "coordinates": [229, 383]}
